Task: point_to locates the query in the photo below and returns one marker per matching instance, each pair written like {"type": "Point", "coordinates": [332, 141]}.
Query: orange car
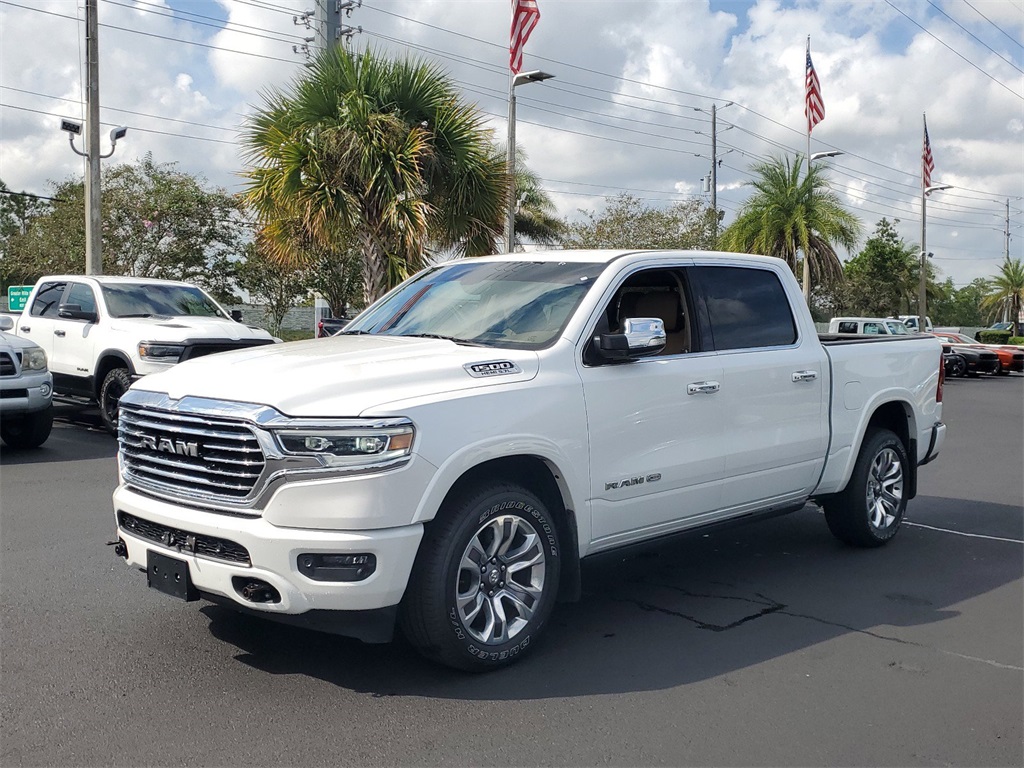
{"type": "Point", "coordinates": [1010, 358]}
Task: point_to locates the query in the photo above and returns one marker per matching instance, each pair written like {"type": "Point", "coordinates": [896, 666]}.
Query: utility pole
{"type": "Point", "coordinates": [1006, 232]}
{"type": "Point", "coordinates": [93, 223]}
{"type": "Point", "coordinates": [714, 164]}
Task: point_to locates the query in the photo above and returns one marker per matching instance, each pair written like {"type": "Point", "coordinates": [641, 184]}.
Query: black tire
{"type": "Point", "coordinates": [28, 431]}
{"type": "Point", "coordinates": [868, 512]}
{"type": "Point", "coordinates": [115, 384]}
{"type": "Point", "coordinates": [499, 526]}
{"type": "Point", "coordinates": [958, 367]}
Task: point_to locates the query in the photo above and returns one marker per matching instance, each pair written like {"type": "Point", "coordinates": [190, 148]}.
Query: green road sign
{"type": "Point", "coordinates": [17, 295]}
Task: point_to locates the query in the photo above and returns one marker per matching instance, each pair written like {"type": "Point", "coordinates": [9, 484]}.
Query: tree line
{"type": "Point", "coordinates": [368, 168]}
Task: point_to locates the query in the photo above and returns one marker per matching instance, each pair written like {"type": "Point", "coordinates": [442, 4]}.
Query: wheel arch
{"type": "Point", "coordinates": [897, 416]}
{"type": "Point", "coordinates": [107, 360]}
{"type": "Point", "coordinates": [540, 476]}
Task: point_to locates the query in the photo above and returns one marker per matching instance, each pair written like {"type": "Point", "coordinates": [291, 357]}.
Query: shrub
{"type": "Point", "coordinates": [989, 336]}
{"type": "Point", "coordinates": [1018, 340]}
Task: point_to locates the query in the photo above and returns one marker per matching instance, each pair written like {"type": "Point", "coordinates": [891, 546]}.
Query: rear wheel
{"type": "Point", "coordinates": [868, 512]}
{"type": "Point", "coordinates": [485, 580]}
{"type": "Point", "coordinates": [958, 367]}
{"type": "Point", "coordinates": [29, 431]}
{"type": "Point", "coordinates": [115, 384]}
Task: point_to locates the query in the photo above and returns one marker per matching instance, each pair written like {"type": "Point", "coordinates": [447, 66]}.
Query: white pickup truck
{"type": "Point", "coordinates": [453, 454]}
{"type": "Point", "coordinates": [102, 332]}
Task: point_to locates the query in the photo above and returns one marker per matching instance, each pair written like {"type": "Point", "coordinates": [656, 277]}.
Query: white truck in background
{"type": "Point", "coordinates": [453, 454]}
{"type": "Point", "coordinates": [102, 332]}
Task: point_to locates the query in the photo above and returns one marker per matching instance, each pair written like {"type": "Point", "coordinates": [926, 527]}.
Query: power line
{"type": "Point", "coordinates": [986, 18]}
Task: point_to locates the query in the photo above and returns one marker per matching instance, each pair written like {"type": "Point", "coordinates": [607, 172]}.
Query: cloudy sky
{"type": "Point", "coordinates": [628, 111]}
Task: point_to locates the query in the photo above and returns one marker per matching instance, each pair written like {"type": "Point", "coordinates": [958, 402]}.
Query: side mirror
{"type": "Point", "coordinates": [236, 315]}
{"type": "Point", "coordinates": [641, 337]}
{"type": "Point", "coordinates": [6, 322]}
{"type": "Point", "coordinates": [75, 312]}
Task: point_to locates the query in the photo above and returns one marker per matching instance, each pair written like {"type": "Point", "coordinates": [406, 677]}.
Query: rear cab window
{"type": "Point", "coordinates": [745, 308]}
{"type": "Point", "coordinates": [47, 300]}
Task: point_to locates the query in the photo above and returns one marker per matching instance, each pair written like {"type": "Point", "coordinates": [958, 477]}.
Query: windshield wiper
{"type": "Point", "coordinates": [465, 342]}
{"type": "Point", "coordinates": [142, 314]}
{"type": "Point", "coordinates": [353, 333]}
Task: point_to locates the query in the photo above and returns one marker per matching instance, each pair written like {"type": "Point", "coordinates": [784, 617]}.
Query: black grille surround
{"type": "Point", "coordinates": [202, 348]}
{"type": "Point", "coordinates": [198, 544]}
{"type": "Point", "coordinates": [7, 367]}
{"type": "Point", "coordinates": [188, 456]}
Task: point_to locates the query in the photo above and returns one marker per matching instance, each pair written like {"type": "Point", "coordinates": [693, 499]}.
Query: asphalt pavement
{"type": "Point", "coordinates": [770, 644]}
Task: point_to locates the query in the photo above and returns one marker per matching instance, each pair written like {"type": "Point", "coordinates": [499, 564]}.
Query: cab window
{"type": "Point", "coordinates": [82, 296]}
{"type": "Point", "coordinates": [47, 300]}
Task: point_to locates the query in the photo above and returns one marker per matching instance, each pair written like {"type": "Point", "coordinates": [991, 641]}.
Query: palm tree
{"type": "Point", "coordinates": [791, 212]}
{"type": "Point", "coordinates": [375, 153]}
{"type": "Point", "coordinates": [1007, 292]}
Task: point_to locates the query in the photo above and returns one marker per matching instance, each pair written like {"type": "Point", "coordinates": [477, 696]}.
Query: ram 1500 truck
{"type": "Point", "coordinates": [100, 333]}
{"type": "Point", "coordinates": [450, 458]}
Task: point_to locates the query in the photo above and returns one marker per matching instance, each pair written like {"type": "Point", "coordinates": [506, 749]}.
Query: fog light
{"type": "Point", "coordinates": [44, 390]}
{"type": "Point", "coordinates": [337, 567]}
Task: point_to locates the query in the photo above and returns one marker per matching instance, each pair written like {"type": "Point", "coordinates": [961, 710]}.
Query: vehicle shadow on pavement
{"type": "Point", "coordinates": [680, 612]}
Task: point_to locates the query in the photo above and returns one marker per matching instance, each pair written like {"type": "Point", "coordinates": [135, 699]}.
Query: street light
{"type": "Point", "coordinates": [535, 76]}
{"type": "Point", "coordinates": [922, 297]}
{"type": "Point", "coordinates": [807, 256]}
{"type": "Point", "coordinates": [73, 129]}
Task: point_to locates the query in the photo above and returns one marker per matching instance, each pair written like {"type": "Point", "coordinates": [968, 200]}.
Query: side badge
{"type": "Point", "coordinates": [492, 368]}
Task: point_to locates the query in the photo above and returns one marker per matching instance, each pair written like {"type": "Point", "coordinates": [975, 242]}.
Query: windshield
{"type": "Point", "coordinates": [502, 304]}
{"type": "Point", "coordinates": [155, 300]}
{"type": "Point", "coordinates": [897, 328]}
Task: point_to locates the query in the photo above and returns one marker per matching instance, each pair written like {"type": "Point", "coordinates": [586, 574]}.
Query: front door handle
{"type": "Point", "coordinates": [59, 333]}
{"type": "Point", "coordinates": [26, 328]}
{"type": "Point", "coordinates": [703, 388]}
{"type": "Point", "coordinates": [805, 375]}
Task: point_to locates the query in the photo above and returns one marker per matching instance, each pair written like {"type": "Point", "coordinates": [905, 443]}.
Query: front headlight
{"type": "Point", "coordinates": [157, 352]}
{"type": "Point", "coordinates": [349, 446]}
{"type": "Point", "coordinates": [33, 360]}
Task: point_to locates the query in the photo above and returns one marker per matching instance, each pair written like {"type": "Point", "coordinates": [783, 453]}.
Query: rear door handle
{"type": "Point", "coordinates": [59, 333]}
{"type": "Point", "coordinates": [805, 375]}
{"type": "Point", "coordinates": [703, 388]}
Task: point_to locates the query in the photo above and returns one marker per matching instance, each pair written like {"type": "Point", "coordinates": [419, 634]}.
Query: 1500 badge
{"type": "Point", "coordinates": [632, 481]}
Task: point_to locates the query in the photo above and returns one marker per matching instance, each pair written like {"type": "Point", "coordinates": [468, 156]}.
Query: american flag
{"type": "Point", "coordinates": [814, 107]}
{"type": "Point", "coordinates": [927, 162]}
{"type": "Point", "coordinates": [525, 16]}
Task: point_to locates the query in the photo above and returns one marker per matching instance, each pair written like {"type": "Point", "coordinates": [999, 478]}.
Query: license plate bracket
{"type": "Point", "coordinates": [170, 576]}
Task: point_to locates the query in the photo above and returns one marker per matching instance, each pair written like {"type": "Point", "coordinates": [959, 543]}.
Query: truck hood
{"type": "Point", "coordinates": [187, 327]}
{"type": "Point", "coordinates": [10, 343]}
{"type": "Point", "coordinates": [343, 375]}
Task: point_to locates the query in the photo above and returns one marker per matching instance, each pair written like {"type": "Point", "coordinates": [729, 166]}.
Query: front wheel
{"type": "Point", "coordinates": [29, 431]}
{"type": "Point", "coordinates": [868, 512]}
{"type": "Point", "coordinates": [958, 367]}
{"type": "Point", "coordinates": [115, 384]}
{"type": "Point", "coordinates": [485, 580]}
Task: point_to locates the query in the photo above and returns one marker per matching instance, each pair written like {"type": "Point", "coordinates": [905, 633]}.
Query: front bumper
{"type": "Point", "coordinates": [28, 393]}
{"type": "Point", "coordinates": [273, 554]}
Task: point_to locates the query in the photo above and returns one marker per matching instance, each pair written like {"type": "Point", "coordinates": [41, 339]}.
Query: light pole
{"type": "Point", "coordinates": [535, 76]}
{"type": "Point", "coordinates": [922, 288]}
{"type": "Point", "coordinates": [93, 223]}
{"type": "Point", "coordinates": [807, 256]}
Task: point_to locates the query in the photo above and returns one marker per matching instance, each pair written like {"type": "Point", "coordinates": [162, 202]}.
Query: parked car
{"type": "Point", "coordinates": [978, 358]}
{"type": "Point", "coordinates": [450, 457]}
{"type": "Point", "coordinates": [26, 390]}
{"type": "Point", "coordinates": [1010, 358]}
{"type": "Point", "coordinates": [911, 322]}
{"type": "Point", "coordinates": [870, 326]}
{"type": "Point", "coordinates": [328, 326]}
{"type": "Point", "coordinates": [100, 333]}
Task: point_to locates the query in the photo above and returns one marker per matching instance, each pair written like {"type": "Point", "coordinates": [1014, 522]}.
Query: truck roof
{"type": "Point", "coordinates": [611, 254]}
{"type": "Point", "coordinates": [114, 279]}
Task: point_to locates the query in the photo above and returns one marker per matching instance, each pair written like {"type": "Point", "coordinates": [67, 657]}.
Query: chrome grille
{"type": "Point", "coordinates": [188, 456]}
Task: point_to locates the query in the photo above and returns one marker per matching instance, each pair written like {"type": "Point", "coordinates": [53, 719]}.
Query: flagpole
{"type": "Point", "coordinates": [807, 259]}
{"type": "Point", "coordinates": [922, 287]}
{"type": "Point", "coordinates": [510, 164]}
